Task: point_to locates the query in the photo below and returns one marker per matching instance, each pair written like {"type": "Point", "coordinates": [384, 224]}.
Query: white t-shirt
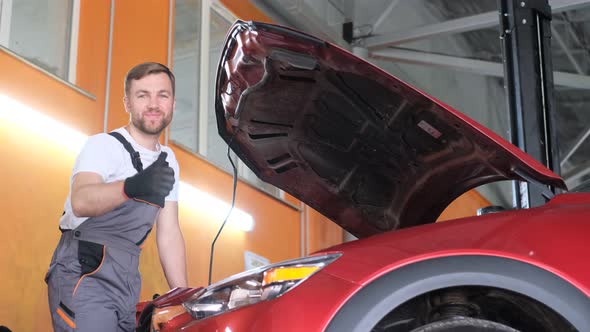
{"type": "Point", "coordinates": [105, 155]}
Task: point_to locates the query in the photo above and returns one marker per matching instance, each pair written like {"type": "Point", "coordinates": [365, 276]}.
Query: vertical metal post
{"type": "Point", "coordinates": [203, 102]}
{"type": "Point", "coordinates": [73, 44]}
{"type": "Point", "coordinates": [526, 40]}
{"type": "Point", "coordinates": [169, 55]}
{"type": "Point", "coordinates": [5, 17]}
{"type": "Point", "coordinates": [107, 89]}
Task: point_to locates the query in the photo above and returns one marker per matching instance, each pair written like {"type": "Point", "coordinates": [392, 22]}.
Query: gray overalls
{"type": "Point", "coordinates": [93, 279]}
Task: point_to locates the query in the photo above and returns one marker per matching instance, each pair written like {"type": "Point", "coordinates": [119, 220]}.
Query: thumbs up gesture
{"type": "Point", "coordinates": [153, 184]}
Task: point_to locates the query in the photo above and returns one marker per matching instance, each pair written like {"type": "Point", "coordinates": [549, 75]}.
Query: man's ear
{"type": "Point", "coordinates": [126, 103]}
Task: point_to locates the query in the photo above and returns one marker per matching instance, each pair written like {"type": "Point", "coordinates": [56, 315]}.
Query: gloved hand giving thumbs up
{"type": "Point", "coordinates": [152, 184]}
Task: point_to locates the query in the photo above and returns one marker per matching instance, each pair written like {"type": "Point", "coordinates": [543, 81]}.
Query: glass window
{"type": "Point", "coordinates": [216, 147]}
{"type": "Point", "coordinates": [250, 177]}
{"type": "Point", "coordinates": [39, 31]}
{"type": "Point", "coordinates": [187, 39]}
{"type": "Point", "coordinates": [195, 125]}
{"type": "Point", "coordinates": [584, 187]}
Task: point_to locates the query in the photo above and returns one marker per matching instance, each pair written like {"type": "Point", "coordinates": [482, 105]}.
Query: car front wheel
{"type": "Point", "coordinates": [464, 325]}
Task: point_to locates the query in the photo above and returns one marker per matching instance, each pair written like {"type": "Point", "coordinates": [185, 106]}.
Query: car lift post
{"type": "Point", "coordinates": [526, 46]}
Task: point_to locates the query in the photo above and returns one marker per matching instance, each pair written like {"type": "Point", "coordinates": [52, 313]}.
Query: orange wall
{"type": "Point", "coordinates": [34, 183]}
{"type": "Point", "coordinates": [323, 233]}
{"type": "Point", "coordinates": [245, 10]}
{"type": "Point", "coordinates": [93, 44]}
{"type": "Point", "coordinates": [35, 180]}
{"type": "Point", "coordinates": [54, 98]}
{"type": "Point", "coordinates": [465, 205]}
{"type": "Point", "coordinates": [36, 173]}
{"type": "Point", "coordinates": [140, 34]}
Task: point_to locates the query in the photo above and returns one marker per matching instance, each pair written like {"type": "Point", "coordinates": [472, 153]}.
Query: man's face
{"type": "Point", "coordinates": [150, 103]}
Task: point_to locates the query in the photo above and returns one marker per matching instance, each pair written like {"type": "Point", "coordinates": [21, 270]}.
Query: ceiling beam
{"type": "Point", "coordinates": [384, 15]}
{"type": "Point", "coordinates": [473, 66]}
{"type": "Point", "coordinates": [576, 146]}
{"type": "Point", "coordinates": [577, 176]}
{"type": "Point", "coordinates": [304, 16]}
{"type": "Point", "coordinates": [557, 36]}
{"type": "Point", "coordinates": [464, 24]}
{"type": "Point", "coordinates": [271, 12]}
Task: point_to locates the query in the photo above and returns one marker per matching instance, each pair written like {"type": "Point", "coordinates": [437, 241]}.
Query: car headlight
{"type": "Point", "coordinates": [256, 285]}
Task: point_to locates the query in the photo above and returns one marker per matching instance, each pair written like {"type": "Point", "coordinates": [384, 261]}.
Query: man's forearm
{"type": "Point", "coordinates": [171, 245]}
{"type": "Point", "coordinates": [91, 200]}
{"type": "Point", "coordinates": [173, 259]}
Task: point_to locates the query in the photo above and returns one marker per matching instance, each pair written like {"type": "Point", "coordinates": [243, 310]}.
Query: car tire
{"type": "Point", "coordinates": [144, 322]}
{"type": "Point", "coordinates": [464, 325]}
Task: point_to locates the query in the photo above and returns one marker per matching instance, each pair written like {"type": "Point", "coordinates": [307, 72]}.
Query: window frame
{"type": "Point", "coordinates": [5, 16]}
{"type": "Point", "coordinates": [71, 40]}
{"type": "Point", "coordinates": [207, 6]}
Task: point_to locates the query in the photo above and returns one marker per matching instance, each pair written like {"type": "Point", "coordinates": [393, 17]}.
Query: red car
{"type": "Point", "coordinates": [383, 160]}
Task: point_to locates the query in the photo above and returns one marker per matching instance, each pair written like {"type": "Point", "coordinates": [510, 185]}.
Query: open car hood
{"type": "Point", "coordinates": [360, 146]}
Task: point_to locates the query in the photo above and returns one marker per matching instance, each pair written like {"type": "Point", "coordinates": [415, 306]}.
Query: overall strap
{"type": "Point", "coordinates": [135, 158]}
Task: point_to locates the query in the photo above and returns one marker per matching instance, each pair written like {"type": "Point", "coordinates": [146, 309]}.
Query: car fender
{"type": "Point", "coordinates": [372, 302]}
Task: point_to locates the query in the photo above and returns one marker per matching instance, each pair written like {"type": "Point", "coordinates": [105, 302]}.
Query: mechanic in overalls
{"type": "Point", "coordinates": [122, 183]}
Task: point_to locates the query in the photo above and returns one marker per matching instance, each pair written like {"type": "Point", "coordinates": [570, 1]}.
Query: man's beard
{"type": "Point", "coordinates": [142, 125]}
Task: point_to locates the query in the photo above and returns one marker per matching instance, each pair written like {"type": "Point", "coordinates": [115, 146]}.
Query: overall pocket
{"type": "Point", "coordinates": [49, 272]}
{"type": "Point", "coordinates": [90, 256]}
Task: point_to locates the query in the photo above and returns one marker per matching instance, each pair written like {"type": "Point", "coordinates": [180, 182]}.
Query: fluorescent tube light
{"type": "Point", "coordinates": [215, 207]}
{"type": "Point", "coordinates": [23, 116]}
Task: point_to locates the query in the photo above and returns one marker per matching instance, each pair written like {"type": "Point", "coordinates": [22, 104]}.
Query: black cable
{"type": "Point", "coordinates": [233, 200]}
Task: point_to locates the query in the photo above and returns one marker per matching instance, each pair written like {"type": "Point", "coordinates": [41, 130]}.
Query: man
{"type": "Point", "coordinates": [121, 184]}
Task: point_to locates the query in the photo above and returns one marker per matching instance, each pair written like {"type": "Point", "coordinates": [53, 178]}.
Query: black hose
{"type": "Point", "coordinates": [233, 200]}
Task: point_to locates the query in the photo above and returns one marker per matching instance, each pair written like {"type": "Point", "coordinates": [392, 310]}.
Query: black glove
{"type": "Point", "coordinates": [153, 184]}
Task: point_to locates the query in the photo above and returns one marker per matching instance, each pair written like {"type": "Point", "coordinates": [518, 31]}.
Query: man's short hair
{"type": "Point", "coordinates": [147, 68]}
